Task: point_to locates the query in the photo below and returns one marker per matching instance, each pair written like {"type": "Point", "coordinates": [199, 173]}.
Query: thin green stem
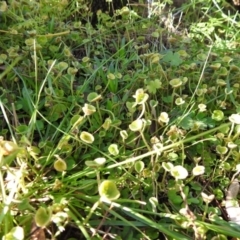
{"type": "Point", "coordinates": [156, 151]}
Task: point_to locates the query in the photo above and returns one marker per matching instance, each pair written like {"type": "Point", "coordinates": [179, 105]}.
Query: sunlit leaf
{"type": "Point", "coordinates": [108, 190]}
{"type": "Point", "coordinates": [136, 125]}
{"type": "Point", "coordinates": [139, 166]}
{"type": "Point", "coordinates": [179, 172]}
{"type": "Point", "coordinates": [59, 164]}
{"type": "Point", "coordinates": [16, 233]}
{"type": "Point", "coordinates": [198, 170]}
{"type": "Point", "coordinates": [113, 149]}
{"type": "Point", "coordinates": [87, 137]}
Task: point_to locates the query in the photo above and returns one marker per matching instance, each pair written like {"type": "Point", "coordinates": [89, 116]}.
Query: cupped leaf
{"type": "Point", "coordinates": [107, 123]}
{"type": "Point", "coordinates": [235, 118]}
{"type": "Point", "coordinates": [113, 149]}
{"type": "Point", "coordinates": [43, 217]}
{"type": "Point", "coordinates": [198, 170]}
{"type": "Point", "coordinates": [60, 165]}
{"type": "Point", "coordinates": [88, 109]}
{"type": "Point", "coordinates": [176, 82]}
{"type": "Point", "coordinates": [221, 149]}
{"type": "Point", "coordinates": [61, 66]}
{"type": "Point", "coordinates": [96, 163]}
{"type": "Point", "coordinates": [217, 115]}
{"type": "Point", "coordinates": [93, 97]}
{"type": "Point", "coordinates": [179, 101]}
{"type": "Point", "coordinates": [108, 190]}
{"type": "Point", "coordinates": [124, 134]}
{"type": "Point", "coordinates": [167, 166]}
{"type": "Point", "coordinates": [179, 172]}
{"type": "Point", "coordinates": [136, 125]}
{"type": "Point", "coordinates": [139, 166]}
{"type": "Point", "coordinates": [140, 96]}
{"type": "Point", "coordinates": [207, 198]}
{"type": "Point", "coordinates": [163, 118]}
{"type": "Point", "coordinates": [76, 120]}
{"type": "Point", "coordinates": [87, 137]}
{"type": "Point", "coordinates": [8, 147]}
{"type": "Point", "coordinates": [16, 233]}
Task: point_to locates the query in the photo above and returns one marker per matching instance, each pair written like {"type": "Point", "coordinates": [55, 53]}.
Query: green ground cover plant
{"type": "Point", "coordinates": [118, 126]}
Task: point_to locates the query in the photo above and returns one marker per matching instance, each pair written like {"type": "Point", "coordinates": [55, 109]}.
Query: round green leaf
{"type": "Point", "coordinates": [16, 233]}
{"type": "Point", "coordinates": [98, 162]}
{"type": "Point", "coordinates": [139, 166]}
{"type": "Point", "coordinates": [136, 125]}
{"type": "Point", "coordinates": [87, 137]}
{"type": "Point", "coordinates": [172, 156]}
{"type": "Point", "coordinates": [163, 118]}
{"type": "Point", "coordinates": [167, 166]}
{"type": "Point", "coordinates": [113, 149]}
{"type": "Point", "coordinates": [179, 101]}
{"type": "Point", "coordinates": [107, 123]}
{"type": "Point", "coordinates": [60, 165]}
{"type": "Point", "coordinates": [88, 109]}
{"type": "Point", "coordinates": [221, 149]}
{"type": "Point", "coordinates": [198, 170]}
{"type": "Point", "coordinates": [179, 172]}
{"type": "Point", "coordinates": [76, 120]}
{"type": "Point", "coordinates": [108, 190]}
{"type": "Point", "coordinates": [124, 134]}
{"type": "Point", "coordinates": [176, 82]}
{"type": "Point", "coordinates": [217, 115]}
{"type": "Point", "coordinates": [140, 96]}
{"type": "Point", "coordinates": [93, 97]}
{"type": "Point", "coordinates": [235, 118]}
{"type": "Point", "coordinates": [62, 66]}
{"type": "Point", "coordinates": [43, 217]}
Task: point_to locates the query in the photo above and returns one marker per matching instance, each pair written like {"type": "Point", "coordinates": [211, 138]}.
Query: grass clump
{"type": "Point", "coordinates": [126, 127]}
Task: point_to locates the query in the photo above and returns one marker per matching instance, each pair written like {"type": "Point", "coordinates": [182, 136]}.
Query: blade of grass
{"type": "Point", "coordinates": [148, 222]}
{"type": "Point", "coordinates": [190, 139]}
